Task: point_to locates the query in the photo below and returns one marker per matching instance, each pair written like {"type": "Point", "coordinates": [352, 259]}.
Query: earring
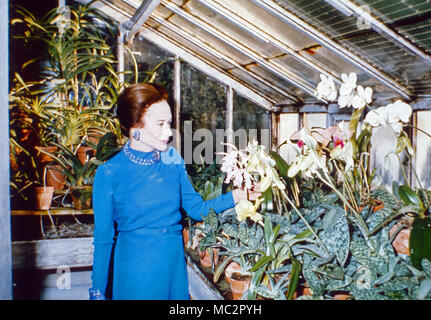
{"type": "Point", "coordinates": [136, 134]}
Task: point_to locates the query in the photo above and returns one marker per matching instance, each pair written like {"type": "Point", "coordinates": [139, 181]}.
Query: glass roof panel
{"type": "Point", "coordinates": [231, 30]}
{"type": "Point", "coordinates": [390, 57]}
{"type": "Point", "coordinates": [209, 40]}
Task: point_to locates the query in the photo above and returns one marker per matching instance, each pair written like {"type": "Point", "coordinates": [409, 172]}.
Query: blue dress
{"type": "Point", "coordinates": [144, 202]}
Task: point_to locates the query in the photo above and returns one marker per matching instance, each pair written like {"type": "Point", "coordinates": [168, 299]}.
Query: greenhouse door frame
{"type": "Point", "coordinates": [5, 229]}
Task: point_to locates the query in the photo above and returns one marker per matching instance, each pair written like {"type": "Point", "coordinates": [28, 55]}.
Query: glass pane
{"type": "Point", "coordinates": [250, 122]}
{"type": "Point", "coordinates": [203, 115]}
{"type": "Point", "coordinates": [149, 57]}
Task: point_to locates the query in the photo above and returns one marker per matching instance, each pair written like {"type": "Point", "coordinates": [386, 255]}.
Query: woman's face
{"type": "Point", "coordinates": [156, 129]}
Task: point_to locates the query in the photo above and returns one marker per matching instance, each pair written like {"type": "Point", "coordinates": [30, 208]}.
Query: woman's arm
{"type": "Point", "coordinates": [104, 230]}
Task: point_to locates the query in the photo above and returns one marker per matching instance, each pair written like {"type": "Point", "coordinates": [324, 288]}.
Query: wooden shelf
{"type": "Point", "coordinates": [52, 211]}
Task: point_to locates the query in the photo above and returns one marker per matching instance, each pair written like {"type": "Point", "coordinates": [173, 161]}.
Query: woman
{"type": "Point", "coordinates": [139, 192]}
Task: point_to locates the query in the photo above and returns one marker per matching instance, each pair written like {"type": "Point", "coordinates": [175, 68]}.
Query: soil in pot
{"type": "Point", "coordinates": [230, 269]}
{"type": "Point", "coordinates": [43, 197]}
{"type": "Point", "coordinates": [81, 197]}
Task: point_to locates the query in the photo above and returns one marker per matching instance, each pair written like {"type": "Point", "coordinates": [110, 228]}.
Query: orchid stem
{"type": "Point", "coordinates": [305, 221]}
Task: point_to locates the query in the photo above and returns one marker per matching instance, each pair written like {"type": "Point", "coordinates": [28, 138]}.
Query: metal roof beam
{"type": "Point", "coordinates": [198, 43]}
{"type": "Point", "coordinates": [197, 62]}
{"type": "Point", "coordinates": [270, 66]}
{"type": "Point", "coordinates": [264, 36]}
{"type": "Point", "coordinates": [133, 26]}
{"type": "Point", "coordinates": [383, 29]}
{"type": "Point", "coordinates": [215, 72]}
{"type": "Point", "coordinates": [299, 24]}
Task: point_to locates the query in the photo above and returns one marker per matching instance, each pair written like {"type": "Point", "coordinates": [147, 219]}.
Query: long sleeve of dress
{"type": "Point", "coordinates": [192, 201]}
{"type": "Point", "coordinates": [104, 229]}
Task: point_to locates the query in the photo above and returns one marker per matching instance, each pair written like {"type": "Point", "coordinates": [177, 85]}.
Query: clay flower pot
{"type": "Point", "coordinates": [43, 158]}
{"type": "Point", "coordinates": [342, 296]}
{"type": "Point", "coordinates": [84, 153]}
{"type": "Point", "coordinates": [239, 284]}
{"type": "Point", "coordinates": [207, 259]}
{"type": "Point", "coordinates": [186, 237]}
{"type": "Point", "coordinates": [230, 269]}
{"type": "Point", "coordinates": [43, 197]}
{"type": "Point", "coordinates": [81, 197]}
{"type": "Point", "coordinates": [55, 177]}
{"type": "Point", "coordinates": [401, 241]}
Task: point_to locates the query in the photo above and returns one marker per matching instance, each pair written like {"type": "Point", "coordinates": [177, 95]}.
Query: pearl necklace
{"type": "Point", "coordinates": [140, 161]}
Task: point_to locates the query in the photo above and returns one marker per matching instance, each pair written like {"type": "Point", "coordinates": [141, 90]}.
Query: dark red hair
{"type": "Point", "coordinates": [135, 100]}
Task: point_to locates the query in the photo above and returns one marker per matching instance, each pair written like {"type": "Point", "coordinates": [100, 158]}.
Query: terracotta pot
{"type": "Point", "coordinates": [43, 158]}
{"type": "Point", "coordinates": [206, 258]}
{"type": "Point", "coordinates": [231, 268]}
{"type": "Point", "coordinates": [43, 197]}
{"type": "Point", "coordinates": [401, 241]}
{"type": "Point", "coordinates": [239, 284]}
{"type": "Point", "coordinates": [342, 296]}
{"type": "Point", "coordinates": [55, 177]}
{"type": "Point", "coordinates": [186, 237]}
{"type": "Point", "coordinates": [81, 197]}
{"type": "Point", "coordinates": [94, 137]}
{"type": "Point", "coordinates": [84, 153]}
{"type": "Point", "coordinates": [302, 290]}
{"type": "Point", "coordinates": [306, 291]}
{"type": "Point", "coordinates": [378, 205]}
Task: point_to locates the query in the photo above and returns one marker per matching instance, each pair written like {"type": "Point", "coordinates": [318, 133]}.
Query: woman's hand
{"type": "Point", "coordinates": [241, 194]}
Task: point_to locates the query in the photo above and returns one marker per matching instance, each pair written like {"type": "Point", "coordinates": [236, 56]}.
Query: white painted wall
{"type": "Point", "coordinates": [423, 148]}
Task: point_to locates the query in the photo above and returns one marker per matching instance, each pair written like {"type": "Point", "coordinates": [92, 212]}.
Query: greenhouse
{"type": "Point", "coordinates": [288, 147]}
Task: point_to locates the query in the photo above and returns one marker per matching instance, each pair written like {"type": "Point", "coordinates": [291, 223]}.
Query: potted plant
{"type": "Point", "coordinates": [80, 176]}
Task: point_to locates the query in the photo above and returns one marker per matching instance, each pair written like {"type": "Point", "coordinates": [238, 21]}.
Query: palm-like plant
{"type": "Point", "coordinates": [77, 68]}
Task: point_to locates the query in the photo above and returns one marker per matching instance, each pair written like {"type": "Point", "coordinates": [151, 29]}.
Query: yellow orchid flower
{"type": "Point", "coordinates": [245, 208]}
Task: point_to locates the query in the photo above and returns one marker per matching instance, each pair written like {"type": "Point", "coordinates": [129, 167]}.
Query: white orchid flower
{"type": "Point", "coordinates": [326, 88]}
{"type": "Point", "coordinates": [399, 111]}
{"type": "Point", "coordinates": [307, 138]}
{"type": "Point", "coordinates": [347, 90]}
{"type": "Point", "coordinates": [349, 83]}
{"type": "Point", "coordinates": [266, 180]}
{"type": "Point", "coordinates": [394, 114]}
{"type": "Point", "coordinates": [363, 97]}
{"type": "Point", "coordinates": [377, 117]}
{"type": "Point", "coordinates": [345, 100]}
{"type": "Point", "coordinates": [276, 180]}
{"type": "Point", "coordinates": [345, 154]}
{"type": "Point", "coordinates": [294, 167]}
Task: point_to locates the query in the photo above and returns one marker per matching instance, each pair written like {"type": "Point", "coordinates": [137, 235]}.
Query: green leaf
{"type": "Point", "coordinates": [294, 276]}
{"type": "Point", "coordinates": [267, 204]}
{"type": "Point", "coordinates": [420, 241]}
{"type": "Point", "coordinates": [424, 288]}
{"type": "Point", "coordinates": [409, 196]}
{"type": "Point", "coordinates": [261, 263]}
{"type": "Point", "coordinates": [395, 189]}
{"type": "Point", "coordinates": [280, 163]}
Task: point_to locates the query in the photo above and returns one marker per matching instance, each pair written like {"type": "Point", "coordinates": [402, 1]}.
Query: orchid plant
{"type": "Point", "coordinates": [253, 168]}
{"type": "Point", "coordinates": [339, 156]}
